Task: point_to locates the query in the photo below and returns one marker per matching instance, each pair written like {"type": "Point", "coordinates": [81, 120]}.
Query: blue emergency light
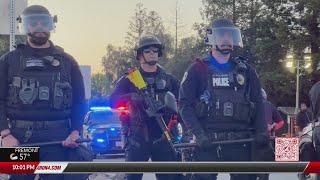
{"type": "Point", "coordinates": [100, 108]}
{"type": "Point", "coordinates": [100, 140]}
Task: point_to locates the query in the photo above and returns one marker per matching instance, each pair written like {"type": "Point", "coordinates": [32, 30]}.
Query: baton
{"type": "Point", "coordinates": [188, 145]}
{"type": "Point", "coordinates": [51, 143]}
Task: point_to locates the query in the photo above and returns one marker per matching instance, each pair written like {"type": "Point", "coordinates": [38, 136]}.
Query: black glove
{"type": "Point", "coordinates": [202, 140]}
{"type": "Point", "coordinates": [262, 139]}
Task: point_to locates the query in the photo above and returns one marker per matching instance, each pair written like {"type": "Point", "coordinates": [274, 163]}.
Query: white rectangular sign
{"type": "Point", "coordinates": [86, 73]}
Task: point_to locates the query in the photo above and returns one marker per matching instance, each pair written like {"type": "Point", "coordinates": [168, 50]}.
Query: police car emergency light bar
{"type": "Point", "coordinates": [121, 109]}
{"type": "Point", "coordinates": [100, 108]}
{"type": "Point", "coordinates": [158, 167]}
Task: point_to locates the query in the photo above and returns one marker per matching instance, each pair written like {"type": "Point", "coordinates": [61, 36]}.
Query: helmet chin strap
{"type": "Point", "coordinates": [150, 63]}
{"type": "Point", "coordinates": [224, 52]}
{"type": "Point", "coordinates": [39, 41]}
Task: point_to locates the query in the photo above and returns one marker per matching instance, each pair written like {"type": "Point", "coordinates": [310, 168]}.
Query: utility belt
{"type": "Point", "coordinates": [40, 124]}
{"type": "Point", "coordinates": [223, 136]}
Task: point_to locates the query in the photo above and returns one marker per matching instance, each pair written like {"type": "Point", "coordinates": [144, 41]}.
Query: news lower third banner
{"type": "Point", "coordinates": [157, 167]}
{"type": "Point", "coordinates": [26, 160]}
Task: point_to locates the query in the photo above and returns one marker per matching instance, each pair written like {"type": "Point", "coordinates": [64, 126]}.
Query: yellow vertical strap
{"type": "Point", "coordinates": [135, 78]}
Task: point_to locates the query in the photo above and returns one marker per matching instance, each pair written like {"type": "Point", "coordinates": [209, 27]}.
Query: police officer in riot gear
{"type": "Point", "coordinates": [220, 99]}
{"type": "Point", "coordinates": [314, 95]}
{"type": "Point", "coordinates": [41, 93]}
{"type": "Point", "coordinates": [306, 148]}
{"type": "Point", "coordinates": [272, 116]}
{"type": "Point", "coordinates": [309, 131]}
{"type": "Point", "coordinates": [142, 134]}
{"type": "Point", "coordinates": [274, 123]}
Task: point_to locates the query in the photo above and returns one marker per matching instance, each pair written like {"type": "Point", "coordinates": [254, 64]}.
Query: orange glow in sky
{"type": "Point", "coordinates": [85, 28]}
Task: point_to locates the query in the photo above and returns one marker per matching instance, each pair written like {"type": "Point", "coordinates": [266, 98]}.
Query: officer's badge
{"type": "Point", "coordinates": [240, 79]}
{"type": "Point", "coordinates": [184, 77]}
{"type": "Point", "coordinates": [55, 63]}
{"type": "Point", "coordinates": [161, 84]}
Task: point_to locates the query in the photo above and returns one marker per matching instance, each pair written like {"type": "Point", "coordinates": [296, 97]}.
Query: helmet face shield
{"type": "Point", "coordinates": [224, 37]}
{"type": "Point", "coordinates": [36, 23]}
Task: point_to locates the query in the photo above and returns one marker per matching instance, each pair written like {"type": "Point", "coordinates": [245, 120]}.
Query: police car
{"type": "Point", "coordinates": [102, 126]}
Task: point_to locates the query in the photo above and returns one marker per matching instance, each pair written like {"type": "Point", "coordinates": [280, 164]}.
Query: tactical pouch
{"type": "Point", "coordinates": [243, 112]}
{"type": "Point", "coordinates": [29, 91]}
{"type": "Point", "coordinates": [62, 96]}
{"type": "Point", "coordinates": [13, 91]}
{"type": "Point", "coordinates": [67, 95]}
{"type": "Point", "coordinates": [228, 109]}
{"type": "Point", "coordinates": [202, 109]}
{"type": "Point", "coordinates": [44, 93]}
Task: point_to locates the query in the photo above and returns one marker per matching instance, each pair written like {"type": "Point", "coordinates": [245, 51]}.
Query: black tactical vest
{"type": "Point", "coordinates": [159, 84]}
{"type": "Point", "coordinates": [228, 106]}
{"type": "Point", "coordinates": [39, 87]}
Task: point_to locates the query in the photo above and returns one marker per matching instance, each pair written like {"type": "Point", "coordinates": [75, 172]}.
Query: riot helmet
{"type": "Point", "coordinates": [223, 35]}
{"type": "Point", "coordinates": [36, 19]}
{"type": "Point", "coordinates": [146, 42]}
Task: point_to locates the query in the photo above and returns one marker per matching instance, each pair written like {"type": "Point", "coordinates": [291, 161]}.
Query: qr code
{"type": "Point", "coordinates": [287, 149]}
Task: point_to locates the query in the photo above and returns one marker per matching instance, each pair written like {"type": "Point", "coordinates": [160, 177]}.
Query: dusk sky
{"type": "Point", "coordinates": [85, 27]}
